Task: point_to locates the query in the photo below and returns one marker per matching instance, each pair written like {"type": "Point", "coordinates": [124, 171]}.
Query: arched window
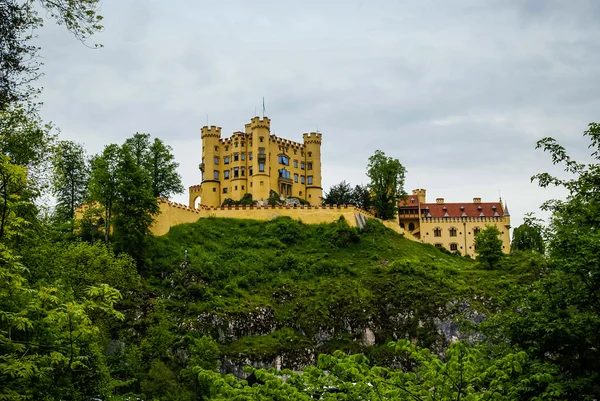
{"type": "Point", "coordinates": [401, 225]}
{"type": "Point", "coordinates": [437, 232]}
{"type": "Point", "coordinates": [454, 247]}
{"type": "Point", "coordinates": [476, 230]}
{"type": "Point", "coordinates": [452, 232]}
{"type": "Point", "coordinates": [411, 226]}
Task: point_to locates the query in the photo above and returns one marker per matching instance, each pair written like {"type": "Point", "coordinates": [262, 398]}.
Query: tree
{"type": "Point", "coordinates": [134, 207]}
{"type": "Point", "coordinates": [18, 57]}
{"type": "Point", "coordinates": [340, 194]}
{"type": "Point", "coordinates": [361, 197]}
{"type": "Point", "coordinates": [387, 184]}
{"type": "Point", "coordinates": [162, 167]}
{"type": "Point", "coordinates": [488, 246]}
{"type": "Point", "coordinates": [529, 235]}
{"type": "Point", "coordinates": [70, 178]}
{"type": "Point", "coordinates": [103, 186]}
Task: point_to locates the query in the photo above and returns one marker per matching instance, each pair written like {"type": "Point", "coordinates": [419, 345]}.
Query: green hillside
{"type": "Point", "coordinates": [285, 289]}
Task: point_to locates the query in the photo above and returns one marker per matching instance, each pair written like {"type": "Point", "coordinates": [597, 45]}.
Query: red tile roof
{"type": "Point", "coordinates": [465, 209]}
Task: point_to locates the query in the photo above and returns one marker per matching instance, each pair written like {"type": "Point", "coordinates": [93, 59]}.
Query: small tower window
{"type": "Point", "coordinates": [226, 160]}
{"type": "Point", "coordinates": [216, 174]}
{"type": "Point", "coordinates": [309, 154]}
{"type": "Point", "coordinates": [309, 166]}
{"type": "Point", "coordinates": [226, 174]}
{"type": "Point", "coordinates": [216, 160]}
{"type": "Point", "coordinates": [236, 157]}
{"type": "Point", "coordinates": [236, 172]}
{"type": "Point", "coordinates": [295, 163]}
{"type": "Point", "coordinates": [243, 172]}
{"type": "Point", "coordinates": [302, 179]}
{"type": "Point", "coordinates": [261, 139]}
{"type": "Point", "coordinates": [243, 156]}
{"type": "Point", "coordinates": [225, 190]}
{"type": "Point", "coordinates": [295, 177]}
{"type": "Point", "coordinates": [261, 167]}
{"type": "Point", "coordinates": [216, 148]}
{"type": "Point", "coordinates": [250, 156]}
{"type": "Point", "coordinates": [250, 171]}
{"type": "Point", "coordinates": [310, 179]}
{"type": "Point", "coordinates": [302, 165]}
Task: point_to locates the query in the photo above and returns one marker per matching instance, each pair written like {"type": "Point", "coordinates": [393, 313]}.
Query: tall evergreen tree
{"type": "Point", "coordinates": [340, 194]}
{"type": "Point", "coordinates": [135, 205]}
{"type": "Point", "coordinates": [162, 167]}
{"type": "Point", "coordinates": [70, 178]}
{"type": "Point", "coordinates": [103, 186]}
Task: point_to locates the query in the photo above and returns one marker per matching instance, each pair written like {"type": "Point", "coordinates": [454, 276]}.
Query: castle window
{"type": "Point", "coordinates": [454, 247]}
{"type": "Point", "coordinates": [453, 232]}
{"type": "Point", "coordinates": [302, 153]}
{"type": "Point", "coordinates": [476, 230]}
{"type": "Point", "coordinates": [261, 151]}
{"type": "Point", "coordinates": [283, 173]}
{"type": "Point", "coordinates": [235, 188]}
{"type": "Point", "coordinates": [216, 174]}
{"type": "Point", "coordinates": [236, 172]}
{"type": "Point", "coordinates": [261, 138]}
{"type": "Point", "coordinates": [226, 148]}
{"type": "Point", "coordinates": [309, 166]}
{"type": "Point", "coordinates": [437, 232]}
{"type": "Point", "coordinates": [310, 179]}
{"type": "Point", "coordinates": [242, 144]}
{"type": "Point", "coordinates": [402, 225]}
{"type": "Point", "coordinates": [250, 156]}
{"type": "Point", "coordinates": [302, 165]}
{"type": "Point", "coordinates": [225, 190]}
{"type": "Point", "coordinates": [295, 177]}
{"type": "Point", "coordinates": [284, 160]}
{"type": "Point", "coordinates": [226, 174]}
{"type": "Point", "coordinates": [226, 160]}
{"type": "Point", "coordinates": [438, 245]}
{"type": "Point", "coordinates": [236, 157]}
{"type": "Point", "coordinates": [243, 156]}
{"type": "Point", "coordinates": [261, 167]}
{"type": "Point", "coordinates": [411, 226]}
{"type": "Point", "coordinates": [243, 171]}
{"type": "Point", "coordinates": [236, 144]}
{"type": "Point", "coordinates": [216, 148]}
{"type": "Point", "coordinates": [310, 196]}
{"type": "Point", "coordinates": [300, 193]}
{"type": "Point", "coordinates": [309, 154]}
{"type": "Point", "coordinates": [216, 160]}
{"type": "Point", "coordinates": [250, 171]}
{"type": "Point", "coordinates": [262, 183]}
{"type": "Point", "coordinates": [242, 187]}
{"type": "Point", "coordinates": [295, 163]}
{"type": "Point", "coordinates": [302, 179]}
{"type": "Point", "coordinates": [214, 189]}
{"type": "Point", "coordinates": [295, 151]}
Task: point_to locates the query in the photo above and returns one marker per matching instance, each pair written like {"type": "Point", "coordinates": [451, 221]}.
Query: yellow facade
{"type": "Point", "coordinates": [256, 162]}
{"type": "Point", "coordinates": [452, 225]}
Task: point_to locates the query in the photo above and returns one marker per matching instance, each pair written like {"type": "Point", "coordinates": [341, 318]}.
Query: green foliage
{"type": "Point", "coordinates": [465, 373]}
{"type": "Point", "coordinates": [343, 194]}
{"type": "Point", "coordinates": [386, 185]}
{"type": "Point", "coordinates": [488, 247]}
{"type": "Point", "coordinates": [274, 199]}
{"type": "Point", "coordinates": [103, 183]}
{"type": "Point", "coordinates": [245, 201]}
{"type": "Point", "coordinates": [529, 235]}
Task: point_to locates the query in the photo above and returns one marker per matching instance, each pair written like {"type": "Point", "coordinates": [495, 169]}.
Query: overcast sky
{"type": "Point", "coordinates": [458, 90]}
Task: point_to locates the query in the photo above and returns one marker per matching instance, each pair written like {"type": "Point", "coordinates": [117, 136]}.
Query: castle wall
{"type": "Point", "coordinates": [174, 213]}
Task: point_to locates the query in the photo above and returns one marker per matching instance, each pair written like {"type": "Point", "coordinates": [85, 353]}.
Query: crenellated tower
{"type": "Point", "coordinates": [312, 154]}
{"type": "Point", "coordinates": [210, 167]}
{"type": "Point", "coordinates": [260, 130]}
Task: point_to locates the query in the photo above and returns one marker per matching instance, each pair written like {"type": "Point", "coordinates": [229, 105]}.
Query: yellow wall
{"type": "Point", "coordinates": [174, 213]}
{"type": "Point", "coordinates": [257, 136]}
{"type": "Point", "coordinates": [464, 232]}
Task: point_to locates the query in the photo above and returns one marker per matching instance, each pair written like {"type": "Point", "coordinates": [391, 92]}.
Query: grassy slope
{"type": "Point", "coordinates": [284, 288]}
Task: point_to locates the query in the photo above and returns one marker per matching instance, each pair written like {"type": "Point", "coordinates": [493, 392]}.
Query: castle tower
{"type": "Point", "coordinates": [421, 194]}
{"type": "Point", "coordinates": [312, 154]}
{"type": "Point", "coordinates": [261, 137]}
{"type": "Point", "coordinates": [210, 167]}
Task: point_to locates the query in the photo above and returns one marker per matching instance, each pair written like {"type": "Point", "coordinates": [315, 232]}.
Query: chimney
{"type": "Point", "coordinates": [476, 200]}
{"type": "Point", "coordinates": [439, 201]}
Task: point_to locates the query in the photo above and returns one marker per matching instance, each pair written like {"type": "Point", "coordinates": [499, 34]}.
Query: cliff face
{"type": "Point", "coordinates": [278, 293]}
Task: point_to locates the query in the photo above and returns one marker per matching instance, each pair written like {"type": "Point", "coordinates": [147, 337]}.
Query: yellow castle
{"type": "Point", "coordinates": [256, 162]}
{"type": "Point", "coordinates": [452, 225]}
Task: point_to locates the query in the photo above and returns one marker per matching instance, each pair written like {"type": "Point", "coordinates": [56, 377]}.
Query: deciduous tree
{"type": "Point", "coordinates": [386, 185]}
{"type": "Point", "coordinates": [488, 246]}
{"type": "Point", "coordinates": [70, 179]}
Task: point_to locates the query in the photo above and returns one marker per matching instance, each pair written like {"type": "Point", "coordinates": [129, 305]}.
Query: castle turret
{"type": "Point", "coordinates": [210, 167]}
{"type": "Point", "coordinates": [312, 154]}
{"type": "Point", "coordinates": [261, 136]}
{"type": "Point", "coordinates": [421, 194]}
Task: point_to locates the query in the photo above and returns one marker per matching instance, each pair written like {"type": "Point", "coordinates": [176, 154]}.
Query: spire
{"type": "Point", "coordinates": [506, 213]}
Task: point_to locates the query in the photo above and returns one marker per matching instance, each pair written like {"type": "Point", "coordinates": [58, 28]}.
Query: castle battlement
{"type": "Point", "coordinates": [212, 131]}
{"type": "Point", "coordinates": [313, 137]}
{"type": "Point", "coordinates": [287, 142]}
{"type": "Point", "coordinates": [260, 122]}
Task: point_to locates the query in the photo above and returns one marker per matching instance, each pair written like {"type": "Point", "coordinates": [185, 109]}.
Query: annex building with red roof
{"type": "Point", "coordinates": [452, 225]}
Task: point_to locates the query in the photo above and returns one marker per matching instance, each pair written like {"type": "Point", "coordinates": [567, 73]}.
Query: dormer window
{"type": "Point", "coordinates": [462, 208]}
{"type": "Point", "coordinates": [479, 207]}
